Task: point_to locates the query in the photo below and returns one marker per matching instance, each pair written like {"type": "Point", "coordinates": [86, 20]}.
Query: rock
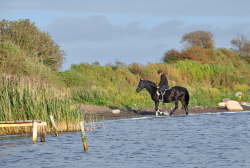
{"type": "Point", "coordinates": [238, 94]}
{"type": "Point", "coordinates": [226, 100]}
{"type": "Point", "coordinates": [116, 111]}
{"type": "Point", "coordinates": [245, 104]}
{"type": "Point", "coordinates": [222, 104]}
{"type": "Point", "coordinates": [233, 105]}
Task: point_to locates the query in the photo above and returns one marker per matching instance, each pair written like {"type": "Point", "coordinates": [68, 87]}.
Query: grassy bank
{"type": "Point", "coordinates": [114, 86]}
{"type": "Point", "coordinates": [29, 95]}
{"type": "Point", "coordinates": [25, 97]}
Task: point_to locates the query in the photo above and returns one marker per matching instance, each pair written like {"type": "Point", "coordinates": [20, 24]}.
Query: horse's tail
{"type": "Point", "coordinates": [186, 97]}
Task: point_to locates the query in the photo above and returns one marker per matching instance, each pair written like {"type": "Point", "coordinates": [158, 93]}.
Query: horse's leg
{"type": "Point", "coordinates": [184, 105]}
{"type": "Point", "coordinates": [186, 109]}
{"type": "Point", "coordinates": [176, 106]}
{"type": "Point", "coordinates": [156, 108]}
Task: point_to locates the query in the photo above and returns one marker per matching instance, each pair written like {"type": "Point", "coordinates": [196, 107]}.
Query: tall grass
{"type": "Point", "coordinates": [30, 99]}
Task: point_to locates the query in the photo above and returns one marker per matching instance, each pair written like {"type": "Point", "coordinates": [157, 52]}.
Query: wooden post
{"type": "Point", "coordinates": [42, 133]}
{"type": "Point", "coordinates": [38, 127]}
{"type": "Point", "coordinates": [34, 132]}
{"type": "Point", "coordinates": [53, 124]}
{"type": "Point", "coordinates": [84, 138]}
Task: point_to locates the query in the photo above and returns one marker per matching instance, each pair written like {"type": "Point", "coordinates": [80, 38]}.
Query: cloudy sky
{"type": "Point", "coordinates": [129, 30]}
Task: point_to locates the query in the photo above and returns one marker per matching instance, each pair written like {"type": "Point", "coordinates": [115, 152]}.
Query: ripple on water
{"type": "Point", "coordinates": [206, 140]}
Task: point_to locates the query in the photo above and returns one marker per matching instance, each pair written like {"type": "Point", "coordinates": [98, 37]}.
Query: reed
{"type": "Point", "coordinates": [31, 99]}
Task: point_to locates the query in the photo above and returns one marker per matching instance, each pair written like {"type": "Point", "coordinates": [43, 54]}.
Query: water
{"type": "Point", "coordinates": [202, 141]}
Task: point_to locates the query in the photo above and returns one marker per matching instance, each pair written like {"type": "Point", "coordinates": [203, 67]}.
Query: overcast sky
{"type": "Point", "coordinates": [129, 30]}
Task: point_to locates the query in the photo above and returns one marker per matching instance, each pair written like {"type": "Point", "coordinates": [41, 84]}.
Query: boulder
{"type": "Point", "coordinates": [233, 105]}
{"type": "Point", "coordinates": [245, 104]}
{"type": "Point", "coordinates": [238, 94]}
{"type": "Point", "coordinates": [226, 100]}
{"type": "Point", "coordinates": [222, 105]}
{"type": "Point", "coordinates": [116, 111]}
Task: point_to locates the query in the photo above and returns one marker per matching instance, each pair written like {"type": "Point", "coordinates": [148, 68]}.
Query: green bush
{"type": "Point", "coordinates": [36, 44]}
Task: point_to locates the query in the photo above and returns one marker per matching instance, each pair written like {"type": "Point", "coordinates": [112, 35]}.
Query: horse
{"type": "Point", "coordinates": [173, 94]}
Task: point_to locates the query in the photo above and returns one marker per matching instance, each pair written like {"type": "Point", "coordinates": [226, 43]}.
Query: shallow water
{"type": "Point", "coordinates": [208, 140]}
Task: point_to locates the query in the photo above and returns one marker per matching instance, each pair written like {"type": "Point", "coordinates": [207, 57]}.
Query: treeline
{"type": "Point", "coordinates": [199, 46]}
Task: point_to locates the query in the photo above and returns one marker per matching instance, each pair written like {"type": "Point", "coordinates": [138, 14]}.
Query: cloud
{"type": "Point", "coordinates": [100, 29]}
{"type": "Point", "coordinates": [93, 28]}
{"type": "Point", "coordinates": [171, 8]}
{"type": "Point", "coordinates": [96, 38]}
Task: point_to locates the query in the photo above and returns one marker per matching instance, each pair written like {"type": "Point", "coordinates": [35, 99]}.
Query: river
{"type": "Point", "coordinates": [203, 141]}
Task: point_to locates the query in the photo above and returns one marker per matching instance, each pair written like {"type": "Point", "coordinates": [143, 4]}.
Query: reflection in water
{"type": "Point", "coordinates": [220, 140]}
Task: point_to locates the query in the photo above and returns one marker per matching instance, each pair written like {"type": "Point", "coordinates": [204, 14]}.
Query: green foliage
{"type": "Point", "coordinates": [13, 61]}
{"type": "Point", "coordinates": [213, 74]}
{"type": "Point", "coordinates": [104, 85]}
{"type": "Point", "coordinates": [34, 43]}
{"type": "Point", "coordinates": [26, 99]}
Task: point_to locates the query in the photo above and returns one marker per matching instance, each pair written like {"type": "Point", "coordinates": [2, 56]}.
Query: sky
{"type": "Point", "coordinates": [129, 30]}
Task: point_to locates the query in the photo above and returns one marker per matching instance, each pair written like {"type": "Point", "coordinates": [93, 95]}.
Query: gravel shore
{"type": "Point", "coordinates": [100, 112]}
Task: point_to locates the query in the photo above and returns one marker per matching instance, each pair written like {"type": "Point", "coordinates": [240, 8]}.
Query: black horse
{"type": "Point", "coordinates": [173, 94]}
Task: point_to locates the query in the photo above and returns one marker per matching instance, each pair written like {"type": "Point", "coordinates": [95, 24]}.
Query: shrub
{"type": "Point", "coordinates": [136, 68]}
{"type": "Point", "coordinates": [172, 55]}
{"type": "Point", "coordinates": [32, 41]}
{"type": "Point", "coordinates": [197, 53]}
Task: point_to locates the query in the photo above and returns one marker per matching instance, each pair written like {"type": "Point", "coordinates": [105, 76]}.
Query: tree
{"type": "Point", "coordinates": [241, 44]}
{"type": "Point", "coordinates": [36, 44]}
{"type": "Point", "coordinates": [199, 38]}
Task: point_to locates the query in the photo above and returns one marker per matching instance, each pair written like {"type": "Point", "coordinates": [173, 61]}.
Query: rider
{"type": "Point", "coordinates": [163, 85]}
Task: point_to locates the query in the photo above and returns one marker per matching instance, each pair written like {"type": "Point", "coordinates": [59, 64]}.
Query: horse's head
{"type": "Point", "coordinates": [140, 86]}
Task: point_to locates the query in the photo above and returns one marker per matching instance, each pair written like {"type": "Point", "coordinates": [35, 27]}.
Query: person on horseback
{"type": "Point", "coordinates": [163, 84]}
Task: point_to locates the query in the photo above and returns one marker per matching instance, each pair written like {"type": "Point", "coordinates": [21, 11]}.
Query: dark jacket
{"type": "Point", "coordinates": [164, 80]}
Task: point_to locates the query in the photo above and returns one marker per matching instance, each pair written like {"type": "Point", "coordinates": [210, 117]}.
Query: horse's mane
{"type": "Point", "coordinates": [151, 83]}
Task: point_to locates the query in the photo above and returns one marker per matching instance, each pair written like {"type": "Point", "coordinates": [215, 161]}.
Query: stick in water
{"type": "Point", "coordinates": [53, 124]}
{"type": "Point", "coordinates": [84, 138]}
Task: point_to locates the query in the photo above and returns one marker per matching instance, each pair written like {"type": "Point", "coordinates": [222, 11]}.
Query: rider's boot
{"type": "Point", "coordinates": [158, 93]}
{"type": "Point", "coordinates": [161, 97]}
